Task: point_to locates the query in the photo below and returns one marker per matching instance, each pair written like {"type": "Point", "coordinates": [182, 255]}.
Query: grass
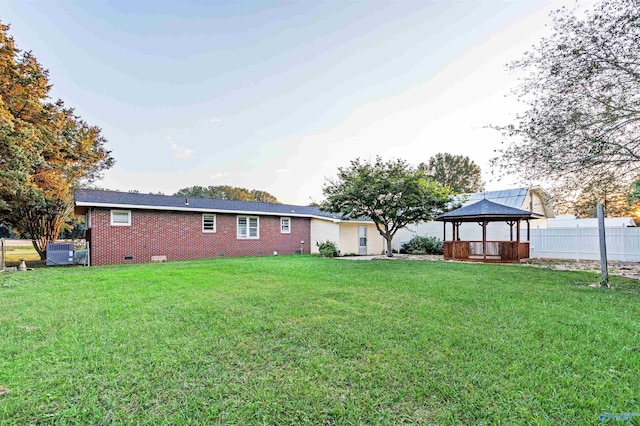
{"type": "Point", "coordinates": [288, 340]}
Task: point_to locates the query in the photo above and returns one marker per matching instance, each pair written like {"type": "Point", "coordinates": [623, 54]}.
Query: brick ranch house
{"type": "Point", "coordinates": [127, 227]}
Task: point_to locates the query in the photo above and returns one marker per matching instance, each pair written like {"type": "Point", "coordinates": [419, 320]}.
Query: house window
{"type": "Point", "coordinates": [208, 223]}
{"type": "Point", "coordinates": [121, 217]}
{"type": "Point", "coordinates": [285, 225]}
{"type": "Point", "coordinates": [248, 227]}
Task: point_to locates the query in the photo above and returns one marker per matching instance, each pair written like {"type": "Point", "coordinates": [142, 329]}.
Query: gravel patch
{"type": "Point", "coordinates": [624, 269]}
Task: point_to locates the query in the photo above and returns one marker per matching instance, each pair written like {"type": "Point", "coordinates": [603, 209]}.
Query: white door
{"type": "Point", "coordinates": [362, 240]}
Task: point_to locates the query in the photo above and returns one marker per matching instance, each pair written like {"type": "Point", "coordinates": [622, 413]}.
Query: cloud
{"type": "Point", "coordinates": [218, 175]}
{"type": "Point", "coordinates": [169, 138]}
{"type": "Point", "coordinates": [216, 120]}
{"type": "Point", "coordinates": [284, 171]}
{"type": "Point", "coordinates": [181, 152]}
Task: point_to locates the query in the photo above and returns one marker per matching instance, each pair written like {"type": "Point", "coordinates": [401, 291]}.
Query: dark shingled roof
{"type": "Point", "coordinates": [485, 209]}
{"type": "Point", "coordinates": [98, 198]}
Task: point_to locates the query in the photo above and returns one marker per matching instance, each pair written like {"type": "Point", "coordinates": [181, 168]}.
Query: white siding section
{"type": "Point", "coordinates": [430, 229]}
{"type": "Point", "coordinates": [349, 239]}
{"type": "Point", "coordinates": [472, 231]}
{"type": "Point", "coordinates": [537, 204]}
{"type": "Point", "coordinates": [324, 230]}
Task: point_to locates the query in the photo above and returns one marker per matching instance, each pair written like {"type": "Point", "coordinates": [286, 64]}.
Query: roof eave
{"type": "Point", "coordinates": [494, 217]}
{"type": "Point", "coordinates": [82, 206]}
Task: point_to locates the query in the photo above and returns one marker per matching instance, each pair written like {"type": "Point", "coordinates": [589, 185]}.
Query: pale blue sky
{"type": "Point", "coordinates": [276, 95]}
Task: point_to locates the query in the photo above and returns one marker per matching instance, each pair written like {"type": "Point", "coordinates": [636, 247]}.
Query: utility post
{"type": "Point", "coordinates": [603, 248]}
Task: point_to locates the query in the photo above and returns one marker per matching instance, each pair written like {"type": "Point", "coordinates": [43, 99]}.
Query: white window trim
{"type": "Point", "coordinates": [282, 231]}
{"type": "Point", "coordinates": [248, 237]}
{"type": "Point", "coordinates": [215, 223]}
{"type": "Point", "coordinates": [88, 219]}
{"type": "Point", "coordinates": [128, 212]}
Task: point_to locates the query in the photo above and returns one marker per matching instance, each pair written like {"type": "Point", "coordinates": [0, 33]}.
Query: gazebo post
{"type": "Point", "coordinates": [484, 239]}
{"type": "Point", "coordinates": [518, 240]}
{"type": "Point", "coordinates": [528, 230]}
{"type": "Point", "coordinates": [444, 230]}
{"type": "Point", "coordinates": [518, 231]}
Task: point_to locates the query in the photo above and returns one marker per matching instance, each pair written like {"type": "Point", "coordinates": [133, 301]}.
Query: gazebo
{"type": "Point", "coordinates": [484, 212]}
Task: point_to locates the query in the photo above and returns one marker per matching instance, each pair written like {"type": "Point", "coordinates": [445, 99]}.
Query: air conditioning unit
{"type": "Point", "coordinates": [59, 254]}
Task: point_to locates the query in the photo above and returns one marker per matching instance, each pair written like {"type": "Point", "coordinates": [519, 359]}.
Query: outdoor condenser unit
{"type": "Point", "coordinates": [59, 254]}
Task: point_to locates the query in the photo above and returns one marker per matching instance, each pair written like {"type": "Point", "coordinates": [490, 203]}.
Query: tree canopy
{"type": "Point", "coordinates": [615, 194]}
{"type": "Point", "coordinates": [393, 194]}
{"type": "Point", "coordinates": [457, 172]}
{"type": "Point", "coordinates": [5, 232]}
{"type": "Point", "coordinates": [225, 192]}
{"type": "Point", "coordinates": [45, 149]}
{"type": "Point", "coordinates": [581, 89]}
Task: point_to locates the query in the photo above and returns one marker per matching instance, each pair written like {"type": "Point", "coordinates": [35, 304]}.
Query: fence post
{"type": "Point", "coordinates": [603, 247]}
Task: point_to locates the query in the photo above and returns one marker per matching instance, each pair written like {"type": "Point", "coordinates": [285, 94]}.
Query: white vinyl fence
{"type": "Point", "coordinates": [623, 244]}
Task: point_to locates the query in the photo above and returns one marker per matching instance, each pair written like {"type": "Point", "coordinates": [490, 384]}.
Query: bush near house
{"type": "Point", "coordinates": [327, 249]}
{"type": "Point", "coordinates": [423, 245]}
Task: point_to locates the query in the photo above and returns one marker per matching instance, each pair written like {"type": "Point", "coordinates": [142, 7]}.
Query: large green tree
{"type": "Point", "coordinates": [46, 150]}
{"type": "Point", "coordinates": [225, 192]}
{"type": "Point", "coordinates": [457, 172]}
{"type": "Point", "coordinates": [581, 92]}
{"type": "Point", "coordinates": [393, 194]}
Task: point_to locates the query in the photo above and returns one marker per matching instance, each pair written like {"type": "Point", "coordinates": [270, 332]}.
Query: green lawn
{"type": "Point", "coordinates": [288, 340]}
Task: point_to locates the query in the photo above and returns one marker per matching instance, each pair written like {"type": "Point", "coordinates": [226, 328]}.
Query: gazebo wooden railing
{"type": "Point", "coordinates": [496, 251]}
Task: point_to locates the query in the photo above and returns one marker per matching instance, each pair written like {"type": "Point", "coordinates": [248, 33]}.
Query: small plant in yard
{"type": "Point", "coordinates": [327, 249]}
{"type": "Point", "coordinates": [423, 245]}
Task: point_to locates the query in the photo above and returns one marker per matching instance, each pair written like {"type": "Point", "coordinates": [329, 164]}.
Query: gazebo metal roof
{"type": "Point", "coordinates": [486, 210]}
{"type": "Point", "coordinates": [509, 197]}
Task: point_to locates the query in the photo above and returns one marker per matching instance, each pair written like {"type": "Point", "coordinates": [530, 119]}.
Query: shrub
{"type": "Point", "coordinates": [423, 245]}
{"type": "Point", "coordinates": [327, 249]}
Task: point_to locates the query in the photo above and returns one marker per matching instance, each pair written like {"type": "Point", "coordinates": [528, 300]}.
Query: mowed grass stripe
{"type": "Point", "coordinates": [303, 339]}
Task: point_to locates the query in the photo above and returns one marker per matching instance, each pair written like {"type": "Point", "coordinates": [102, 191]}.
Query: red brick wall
{"type": "Point", "coordinates": [179, 236]}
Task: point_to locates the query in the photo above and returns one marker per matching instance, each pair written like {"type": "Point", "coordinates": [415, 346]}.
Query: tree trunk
{"type": "Point", "coordinates": [42, 252]}
{"type": "Point", "coordinates": [389, 250]}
